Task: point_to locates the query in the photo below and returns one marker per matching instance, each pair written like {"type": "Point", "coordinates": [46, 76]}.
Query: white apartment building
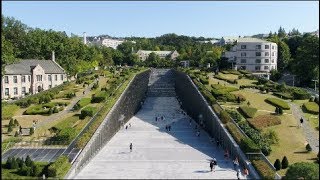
{"type": "Point", "coordinates": [108, 42]}
{"type": "Point", "coordinates": [31, 77]}
{"type": "Point", "coordinates": [255, 55]}
{"type": "Point", "coordinates": [143, 55]}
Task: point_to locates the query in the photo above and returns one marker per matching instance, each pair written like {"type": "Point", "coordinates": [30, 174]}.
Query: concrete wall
{"type": "Point", "coordinates": [194, 104]}
{"type": "Point", "coordinates": [126, 106]}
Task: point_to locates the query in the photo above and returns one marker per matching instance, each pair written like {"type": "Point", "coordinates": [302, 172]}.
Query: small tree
{"type": "Point", "coordinates": [11, 123]}
{"type": "Point", "coordinates": [16, 134]}
{"type": "Point", "coordinates": [277, 164]}
{"type": "Point", "coordinates": [280, 111]}
{"type": "Point", "coordinates": [248, 103]}
{"type": "Point", "coordinates": [14, 164]}
{"type": "Point", "coordinates": [31, 131]}
{"type": "Point", "coordinates": [284, 162]}
{"type": "Point", "coordinates": [9, 129]}
{"type": "Point", "coordinates": [16, 123]}
{"type": "Point", "coordinates": [308, 147]}
{"type": "Point", "coordinates": [9, 162]}
{"type": "Point", "coordinates": [28, 161]}
{"type": "Point", "coordinates": [238, 100]}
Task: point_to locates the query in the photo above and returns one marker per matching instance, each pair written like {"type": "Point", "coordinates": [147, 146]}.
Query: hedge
{"type": "Point", "coordinates": [263, 121]}
{"type": "Point", "coordinates": [247, 111]}
{"type": "Point", "coordinates": [264, 170]}
{"type": "Point", "coordinates": [311, 107]}
{"type": "Point", "coordinates": [301, 94]}
{"type": "Point", "coordinates": [231, 81]}
{"type": "Point", "coordinates": [235, 132]}
{"type": "Point", "coordinates": [87, 111]}
{"type": "Point", "coordinates": [217, 109]}
{"type": "Point", "coordinates": [59, 168]}
{"type": "Point", "coordinates": [208, 96]}
{"type": "Point", "coordinates": [224, 116]}
{"type": "Point", "coordinates": [224, 88]}
{"type": "Point", "coordinates": [278, 103]}
{"type": "Point", "coordinates": [39, 109]}
{"type": "Point", "coordinates": [283, 95]}
{"type": "Point", "coordinates": [248, 146]}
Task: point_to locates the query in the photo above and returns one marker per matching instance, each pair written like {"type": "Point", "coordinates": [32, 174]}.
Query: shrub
{"type": "Point", "coordinates": [224, 116]}
{"type": "Point", "coordinates": [263, 121]}
{"type": "Point", "coordinates": [278, 102]}
{"type": "Point", "coordinates": [101, 96]}
{"type": "Point", "coordinates": [263, 169]}
{"type": "Point", "coordinates": [272, 136]}
{"type": "Point", "coordinates": [11, 123]}
{"type": "Point", "coordinates": [204, 80]}
{"type": "Point", "coordinates": [81, 103]}
{"type": "Point", "coordinates": [247, 111]}
{"type": "Point", "coordinates": [235, 115]}
{"type": "Point", "coordinates": [16, 134]}
{"type": "Point", "coordinates": [25, 170]}
{"type": "Point", "coordinates": [300, 94]}
{"type": "Point", "coordinates": [87, 111]}
{"type": "Point", "coordinates": [284, 162]}
{"type": "Point", "coordinates": [14, 163]}
{"type": "Point", "coordinates": [277, 165]}
{"type": "Point", "coordinates": [10, 129]}
{"type": "Point", "coordinates": [70, 95]}
{"type": "Point", "coordinates": [308, 147]}
{"type": "Point", "coordinates": [311, 107]}
{"type": "Point", "coordinates": [95, 85]}
{"type": "Point", "coordinates": [31, 131]}
{"type": "Point", "coordinates": [16, 123]}
{"type": "Point", "coordinates": [28, 161]}
{"type": "Point", "coordinates": [303, 170]}
{"type": "Point", "coordinates": [59, 167]}
{"type": "Point", "coordinates": [208, 96]}
{"type": "Point", "coordinates": [247, 145]}
{"type": "Point", "coordinates": [217, 108]}
{"type": "Point", "coordinates": [9, 162]}
{"type": "Point", "coordinates": [20, 162]}
{"type": "Point", "coordinates": [280, 110]}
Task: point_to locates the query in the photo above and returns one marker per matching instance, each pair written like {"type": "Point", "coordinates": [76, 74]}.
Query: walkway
{"type": "Point", "coordinates": [157, 153]}
{"type": "Point", "coordinates": [312, 139]}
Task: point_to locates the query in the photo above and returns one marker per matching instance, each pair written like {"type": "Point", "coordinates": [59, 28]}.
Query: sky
{"type": "Point", "coordinates": [211, 19]}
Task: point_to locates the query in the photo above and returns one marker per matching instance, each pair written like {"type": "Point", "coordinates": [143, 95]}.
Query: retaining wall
{"type": "Point", "coordinates": [126, 106]}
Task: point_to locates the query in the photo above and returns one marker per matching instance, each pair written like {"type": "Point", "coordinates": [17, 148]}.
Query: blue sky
{"type": "Point", "coordinates": [150, 19]}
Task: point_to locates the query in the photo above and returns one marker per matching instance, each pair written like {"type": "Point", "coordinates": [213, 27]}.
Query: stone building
{"type": "Point", "coordinates": [143, 55]}
{"type": "Point", "coordinates": [30, 77]}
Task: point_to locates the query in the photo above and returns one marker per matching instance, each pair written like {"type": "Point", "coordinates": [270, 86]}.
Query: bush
{"type": "Point", "coordinates": [235, 115]}
{"type": "Point", "coordinates": [284, 162]}
{"type": "Point", "coordinates": [300, 94]}
{"type": "Point", "coordinates": [247, 145]}
{"type": "Point", "coordinates": [11, 123]}
{"type": "Point", "coordinates": [263, 169]}
{"type": "Point", "coordinates": [31, 131]}
{"type": "Point", "coordinates": [303, 170]}
{"type": "Point", "coordinates": [204, 80]}
{"type": "Point", "coordinates": [81, 103]}
{"type": "Point", "coordinates": [101, 96]}
{"type": "Point", "coordinates": [20, 162]}
{"type": "Point", "coordinates": [217, 109]}
{"type": "Point", "coordinates": [88, 111]}
{"type": "Point", "coordinates": [311, 107]}
{"type": "Point", "coordinates": [28, 161]}
{"type": "Point", "coordinates": [59, 168]}
{"type": "Point", "coordinates": [308, 147]}
{"type": "Point", "coordinates": [16, 134]}
{"type": "Point", "coordinates": [247, 111]}
{"type": "Point", "coordinates": [235, 133]}
{"type": "Point", "coordinates": [25, 170]}
{"type": "Point", "coordinates": [280, 110]}
{"type": "Point", "coordinates": [95, 85]}
{"type": "Point", "coordinates": [277, 165]}
{"type": "Point", "coordinates": [8, 164]}
{"type": "Point", "coordinates": [55, 110]}
{"type": "Point", "coordinates": [271, 136]}
{"type": "Point", "coordinates": [278, 103]}
{"type": "Point", "coordinates": [14, 163]}
{"type": "Point", "coordinates": [208, 96]}
{"type": "Point", "coordinates": [10, 129]}
{"type": "Point", "coordinates": [16, 123]}
{"type": "Point", "coordinates": [224, 116]}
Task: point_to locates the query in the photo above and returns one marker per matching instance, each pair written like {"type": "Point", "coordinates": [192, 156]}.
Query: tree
{"type": "Point", "coordinates": [275, 75]}
{"type": "Point", "coordinates": [28, 161]}
{"type": "Point", "coordinates": [280, 110]}
{"type": "Point", "coordinates": [281, 32]}
{"type": "Point", "coordinates": [284, 162]}
{"type": "Point", "coordinates": [308, 147]}
{"type": "Point", "coordinates": [10, 129]}
{"type": "Point", "coordinates": [303, 170]}
{"type": "Point", "coordinates": [277, 164]}
{"type": "Point", "coordinates": [11, 122]}
{"type": "Point", "coordinates": [31, 131]}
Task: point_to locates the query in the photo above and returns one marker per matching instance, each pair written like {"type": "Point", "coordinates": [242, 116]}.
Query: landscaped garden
{"type": "Point", "coordinates": [260, 113]}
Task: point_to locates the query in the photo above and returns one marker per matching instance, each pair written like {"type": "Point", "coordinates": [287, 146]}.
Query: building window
{"type": "Point", "coordinates": [15, 91]}
{"type": "Point", "coordinates": [49, 78]}
{"type": "Point", "coordinates": [243, 46]}
{"type": "Point", "coordinates": [272, 53]}
{"type": "Point", "coordinates": [56, 77]}
{"type": "Point", "coordinates": [15, 79]}
{"type": "Point", "coordinates": [29, 78]}
{"type": "Point", "coordinates": [243, 54]}
{"type": "Point", "coordinates": [258, 53]}
{"type": "Point", "coordinates": [6, 79]}
{"type": "Point", "coordinates": [243, 67]}
{"type": "Point", "coordinates": [272, 47]}
{"type": "Point", "coordinates": [258, 46]}
{"type": "Point", "coordinates": [257, 68]}
{"type": "Point", "coordinates": [243, 61]}
{"type": "Point", "coordinates": [6, 92]}
{"type": "Point", "coordinates": [39, 77]}
{"type": "Point", "coordinates": [266, 67]}
{"type": "Point", "coordinates": [23, 90]}
{"type": "Point", "coordinates": [266, 61]}
{"type": "Point", "coordinates": [272, 60]}
{"type": "Point", "coordinates": [258, 60]}
{"type": "Point", "coordinates": [266, 46]}
{"type": "Point", "coordinates": [61, 77]}
{"type": "Point", "coordinates": [266, 54]}
{"type": "Point", "coordinates": [23, 79]}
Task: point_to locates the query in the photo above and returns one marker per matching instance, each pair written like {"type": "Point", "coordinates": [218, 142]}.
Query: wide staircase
{"type": "Point", "coordinates": [161, 83]}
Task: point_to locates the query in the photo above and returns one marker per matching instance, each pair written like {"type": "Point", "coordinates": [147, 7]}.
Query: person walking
{"type": "Point", "coordinates": [126, 127]}
{"type": "Point", "coordinates": [130, 147]}
{"type": "Point", "coordinates": [245, 172]}
{"type": "Point", "coordinates": [211, 165]}
{"type": "Point", "coordinates": [235, 163]}
{"type": "Point", "coordinates": [301, 121]}
{"type": "Point", "coordinates": [169, 127]}
{"type": "Point", "coordinates": [226, 154]}
{"type": "Point", "coordinates": [215, 163]}
{"type": "Point", "coordinates": [238, 174]}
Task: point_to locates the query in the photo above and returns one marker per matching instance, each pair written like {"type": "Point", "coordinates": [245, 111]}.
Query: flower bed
{"type": "Point", "coordinates": [263, 121]}
{"type": "Point", "coordinates": [263, 169]}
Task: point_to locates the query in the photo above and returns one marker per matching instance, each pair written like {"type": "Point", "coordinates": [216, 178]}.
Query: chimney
{"type": "Point", "coordinates": [84, 38]}
{"type": "Point", "coordinates": [53, 58]}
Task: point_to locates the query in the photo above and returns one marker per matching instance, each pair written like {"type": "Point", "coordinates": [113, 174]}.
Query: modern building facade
{"type": "Point", "coordinates": [31, 77]}
{"type": "Point", "coordinates": [255, 55]}
{"type": "Point", "coordinates": [143, 55]}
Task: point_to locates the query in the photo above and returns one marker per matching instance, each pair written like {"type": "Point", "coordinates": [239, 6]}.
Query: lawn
{"type": "Point", "coordinates": [8, 111]}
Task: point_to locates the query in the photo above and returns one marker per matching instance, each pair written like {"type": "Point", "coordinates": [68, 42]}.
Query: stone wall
{"type": "Point", "coordinates": [195, 105]}
{"type": "Point", "coordinates": [126, 106]}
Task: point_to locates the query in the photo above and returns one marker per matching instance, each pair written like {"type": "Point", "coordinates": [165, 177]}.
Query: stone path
{"type": "Point", "coordinates": [67, 109]}
{"type": "Point", "coordinates": [312, 139]}
{"type": "Point", "coordinates": [158, 153]}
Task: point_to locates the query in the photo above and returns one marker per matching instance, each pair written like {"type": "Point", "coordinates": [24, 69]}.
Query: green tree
{"type": "Point", "coordinates": [303, 170]}
{"type": "Point", "coordinates": [284, 162]}
{"type": "Point", "coordinates": [277, 165]}
{"type": "Point", "coordinates": [281, 32]}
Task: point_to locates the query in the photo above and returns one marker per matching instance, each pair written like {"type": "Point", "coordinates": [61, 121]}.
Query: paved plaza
{"type": "Point", "coordinates": [158, 153]}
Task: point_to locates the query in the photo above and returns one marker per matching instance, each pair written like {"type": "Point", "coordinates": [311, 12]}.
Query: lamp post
{"type": "Point", "coordinates": [315, 84]}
